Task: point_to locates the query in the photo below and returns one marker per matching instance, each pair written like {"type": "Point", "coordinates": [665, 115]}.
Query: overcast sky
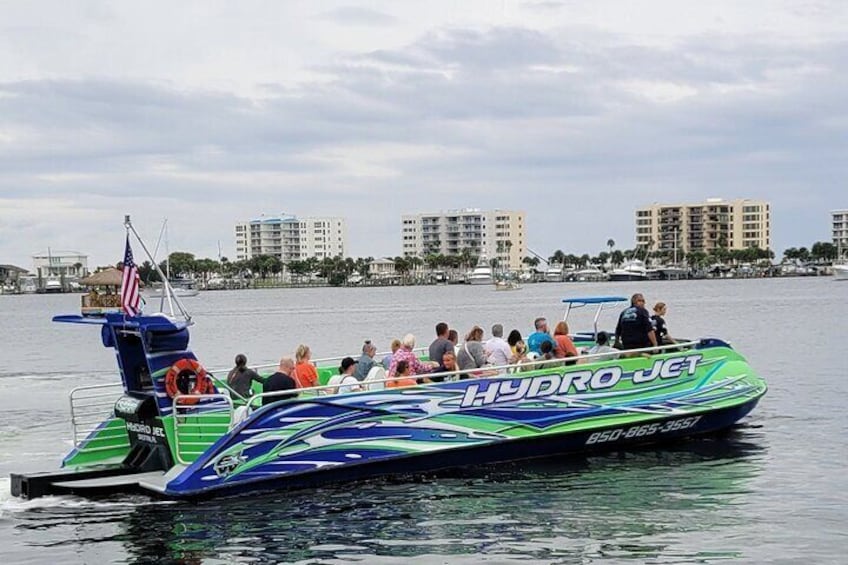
{"type": "Point", "coordinates": [210, 113]}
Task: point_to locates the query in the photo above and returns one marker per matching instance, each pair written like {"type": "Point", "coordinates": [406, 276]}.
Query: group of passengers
{"type": "Point", "coordinates": [636, 329]}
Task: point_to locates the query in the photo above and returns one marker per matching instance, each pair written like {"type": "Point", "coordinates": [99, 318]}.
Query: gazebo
{"type": "Point", "coordinates": [102, 296]}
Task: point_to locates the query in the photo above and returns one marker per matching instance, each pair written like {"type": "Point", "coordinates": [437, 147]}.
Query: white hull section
{"type": "Point", "coordinates": [840, 272]}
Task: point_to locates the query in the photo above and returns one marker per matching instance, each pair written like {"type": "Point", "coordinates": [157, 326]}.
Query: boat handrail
{"type": "Point", "coordinates": [198, 423]}
{"type": "Point", "coordinates": [88, 411]}
{"type": "Point", "coordinates": [502, 370]}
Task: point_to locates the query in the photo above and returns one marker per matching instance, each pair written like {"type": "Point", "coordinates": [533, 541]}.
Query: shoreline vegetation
{"type": "Point", "coordinates": [267, 271]}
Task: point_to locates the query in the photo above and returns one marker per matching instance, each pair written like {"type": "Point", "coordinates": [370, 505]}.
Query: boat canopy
{"type": "Point", "coordinates": [594, 300]}
{"type": "Point", "coordinates": [603, 302]}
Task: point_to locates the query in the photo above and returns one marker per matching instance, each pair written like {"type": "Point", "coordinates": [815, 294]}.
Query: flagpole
{"type": "Point", "coordinates": [167, 286]}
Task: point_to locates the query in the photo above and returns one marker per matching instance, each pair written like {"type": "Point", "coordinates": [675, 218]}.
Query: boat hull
{"type": "Point", "coordinates": [566, 444]}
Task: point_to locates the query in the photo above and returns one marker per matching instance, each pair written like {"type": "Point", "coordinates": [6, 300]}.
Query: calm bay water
{"type": "Point", "coordinates": [774, 491]}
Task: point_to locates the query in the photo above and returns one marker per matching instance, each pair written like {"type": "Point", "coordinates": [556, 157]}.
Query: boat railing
{"type": "Point", "coordinates": [92, 409]}
{"type": "Point", "coordinates": [199, 421]}
{"type": "Point", "coordinates": [324, 361]}
{"type": "Point", "coordinates": [485, 371]}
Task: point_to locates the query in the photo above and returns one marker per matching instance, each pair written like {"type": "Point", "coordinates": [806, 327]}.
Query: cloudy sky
{"type": "Point", "coordinates": [214, 112]}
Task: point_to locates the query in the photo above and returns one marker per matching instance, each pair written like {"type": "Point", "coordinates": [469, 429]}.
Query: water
{"type": "Point", "coordinates": [774, 491]}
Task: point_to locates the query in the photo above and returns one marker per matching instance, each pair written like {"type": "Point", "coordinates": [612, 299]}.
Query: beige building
{"type": "Point", "coordinates": [290, 238]}
{"type": "Point", "coordinates": [715, 223]}
{"type": "Point", "coordinates": [840, 229]}
{"type": "Point", "coordinates": [500, 234]}
{"type": "Point", "coordinates": [54, 264]}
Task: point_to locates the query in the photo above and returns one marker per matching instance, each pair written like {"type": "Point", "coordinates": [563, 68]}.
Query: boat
{"type": "Point", "coordinates": [168, 428]}
{"type": "Point", "coordinates": [181, 291]}
{"type": "Point", "coordinates": [553, 273]}
{"type": "Point", "coordinates": [482, 273]}
{"type": "Point", "coordinates": [590, 274]}
{"type": "Point", "coordinates": [507, 285]}
{"type": "Point", "coordinates": [632, 270]}
{"type": "Point", "coordinates": [840, 272]}
{"type": "Point", "coordinates": [52, 286]}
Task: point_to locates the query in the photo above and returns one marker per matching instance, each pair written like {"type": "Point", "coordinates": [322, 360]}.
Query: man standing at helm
{"type": "Point", "coordinates": [634, 329]}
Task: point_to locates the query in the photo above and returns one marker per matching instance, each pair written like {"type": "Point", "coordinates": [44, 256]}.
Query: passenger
{"type": "Point", "coordinates": [472, 355]}
{"type": "Point", "coordinates": [547, 354]}
{"type": "Point", "coordinates": [517, 347]}
{"type": "Point", "coordinates": [281, 380]}
{"type": "Point", "coordinates": [345, 381]}
{"type": "Point", "coordinates": [448, 364]}
{"type": "Point", "coordinates": [241, 377]}
{"type": "Point", "coordinates": [387, 360]}
{"type": "Point", "coordinates": [405, 353]}
{"type": "Point", "coordinates": [658, 321]}
{"type": "Point", "coordinates": [305, 372]}
{"type": "Point", "coordinates": [602, 346]}
{"type": "Point", "coordinates": [564, 345]}
{"type": "Point", "coordinates": [366, 361]}
{"type": "Point", "coordinates": [453, 337]}
{"type": "Point", "coordinates": [403, 373]}
{"type": "Point", "coordinates": [441, 344]}
{"type": "Point", "coordinates": [634, 329]}
{"type": "Point", "coordinates": [534, 342]}
{"type": "Point", "coordinates": [497, 349]}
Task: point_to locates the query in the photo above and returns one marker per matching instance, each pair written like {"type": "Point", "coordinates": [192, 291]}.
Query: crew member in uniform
{"type": "Point", "coordinates": [634, 329]}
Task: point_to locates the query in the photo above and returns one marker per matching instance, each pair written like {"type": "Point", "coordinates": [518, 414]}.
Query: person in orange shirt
{"type": "Point", "coordinates": [403, 376]}
{"type": "Point", "coordinates": [564, 345]}
{"type": "Point", "coordinates": [305, 372]}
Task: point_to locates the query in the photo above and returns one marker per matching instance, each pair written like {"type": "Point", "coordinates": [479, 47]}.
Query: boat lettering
{"type": "Point", "coordinates": [643, 430]}
{"type": "Point", "coordinates": [139, 428]}
{"type": "Point", "coordinates": [490, 392]}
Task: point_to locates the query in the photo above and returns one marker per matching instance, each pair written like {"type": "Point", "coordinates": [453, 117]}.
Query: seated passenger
{"type": "Point", "coordinates": [472, 355]}
{"type": "Point", "coordinates": [565, 347]}
{"type": "Point", "coordinates": [448, 364]}
{"type": "Point", "coordinates": [534, 342]}
{"type": "Point", "coordinates": [279, 381]}
{"type": "Point", "coordinates": [547, 354]}
{"type": "Point", "coordinates": [403, 376]}
{"type": "Point", "coordinates": [345, 381]}
{"type": "Point", "coordinates": [602, 346]}
{"type": "Point", "coordinates": [406, 353]}
{"type": "Point", "coordinates": [441, 344]}
{"type": "Point", "coordinates": [387, 360]}
{"type": "Point", "coordinates": [241, 377]}
{"type": "Point", "coordinates": [366, 361]}
{"type": "Point", "coordinates": [517, 347]}
{"type": "Point", "coordinates": [305, 372]}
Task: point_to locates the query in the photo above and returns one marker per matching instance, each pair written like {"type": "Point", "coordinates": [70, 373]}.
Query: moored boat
{"type": "Point", "coordinates": [170, 429]}
{"type": "Point", "coordinates": [482, 273]}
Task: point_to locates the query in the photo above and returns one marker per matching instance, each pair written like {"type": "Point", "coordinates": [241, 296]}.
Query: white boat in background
{"type": "Point", "coordinates": [553, 274]}
{"type": "Point", "coordinates": [507, 285]}
{"type": "Point", "coordinates": [590, 274]}
{"type": "Point", "coordinates": [633, 270]}
{"type": "Point", "coordinates": [840, 272]}
{"type": "Point", "coordinates": [178, 291]}
{"type": "Point", "coordinates": [482, 273]}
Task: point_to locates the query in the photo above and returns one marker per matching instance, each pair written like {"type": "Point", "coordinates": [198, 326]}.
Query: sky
{"type": "Point", "coordinates": [211, 113]}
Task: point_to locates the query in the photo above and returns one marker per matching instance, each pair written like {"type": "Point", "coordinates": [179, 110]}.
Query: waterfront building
{"type": "Point", "coordinates": [706, 226]}
{"type": "Point", "coordinates": [497, 234]}
{"type": "Point", "coordinates": [59, 264]}
{"type": "Point", "coordinates": [840, 229]}
{"type": "Point", "coordinates": [290, 238]}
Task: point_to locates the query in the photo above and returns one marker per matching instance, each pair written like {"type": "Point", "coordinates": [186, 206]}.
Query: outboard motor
{"type": "Point", "coordinates": [149, 449]}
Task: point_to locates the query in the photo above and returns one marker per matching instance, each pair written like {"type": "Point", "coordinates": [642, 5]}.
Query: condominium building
{"type": "Point", "coordinates": [290, 238]}
{"type": "Point", "coordinates": [706, 226]}
{"type": "Point", "coordinates": [497, 234]}
{"type": "Point", "coordinates": [60, 264]}
{"type": "Point", "coordinates": [840, 229]}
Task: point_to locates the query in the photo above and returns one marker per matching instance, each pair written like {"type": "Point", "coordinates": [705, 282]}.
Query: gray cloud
{"type": "Point", "coordinates": [578, 128]}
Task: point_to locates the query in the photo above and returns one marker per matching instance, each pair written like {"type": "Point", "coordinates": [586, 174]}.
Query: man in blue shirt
{"type": "Point", "coordinates": [534, 342]}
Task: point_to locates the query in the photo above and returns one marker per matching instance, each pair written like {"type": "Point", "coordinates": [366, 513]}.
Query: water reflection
{"type": "Point", "coordinates": [634, 504]}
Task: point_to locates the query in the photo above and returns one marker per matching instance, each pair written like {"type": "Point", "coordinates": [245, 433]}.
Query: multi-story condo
{"type": "Point", "coordinates": [716, 223]}
{"type": "Point", "coordinates": [840, 230]}
{"type": "Point", "coordinates": [290, 238]}
{"type": "Point", "coordinates": [497, 234]}
{"type": "Point", "coordinates": [60, 264]}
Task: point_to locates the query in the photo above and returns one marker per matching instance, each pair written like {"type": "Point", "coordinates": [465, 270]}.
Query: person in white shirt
{"type": "Point", "coordinates": [602, 346]}
{"type": "Point", "coordinates": [497, 349]}
{"type": "Point", "coordinates": [344, 382]}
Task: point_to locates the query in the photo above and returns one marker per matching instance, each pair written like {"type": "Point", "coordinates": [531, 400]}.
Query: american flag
{"type": "Point", "coordinates": [130, 295]}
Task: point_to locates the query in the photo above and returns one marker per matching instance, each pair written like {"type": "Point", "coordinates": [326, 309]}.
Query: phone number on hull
{"type": "Point", "coordinates": [644, 430]}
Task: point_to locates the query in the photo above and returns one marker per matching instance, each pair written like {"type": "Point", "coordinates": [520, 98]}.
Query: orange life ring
{"type": "Point", "coordinates": [179, 378]}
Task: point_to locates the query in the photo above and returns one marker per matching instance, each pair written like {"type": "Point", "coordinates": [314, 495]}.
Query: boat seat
{"type": "Point", "coordinates": [376, 373]}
